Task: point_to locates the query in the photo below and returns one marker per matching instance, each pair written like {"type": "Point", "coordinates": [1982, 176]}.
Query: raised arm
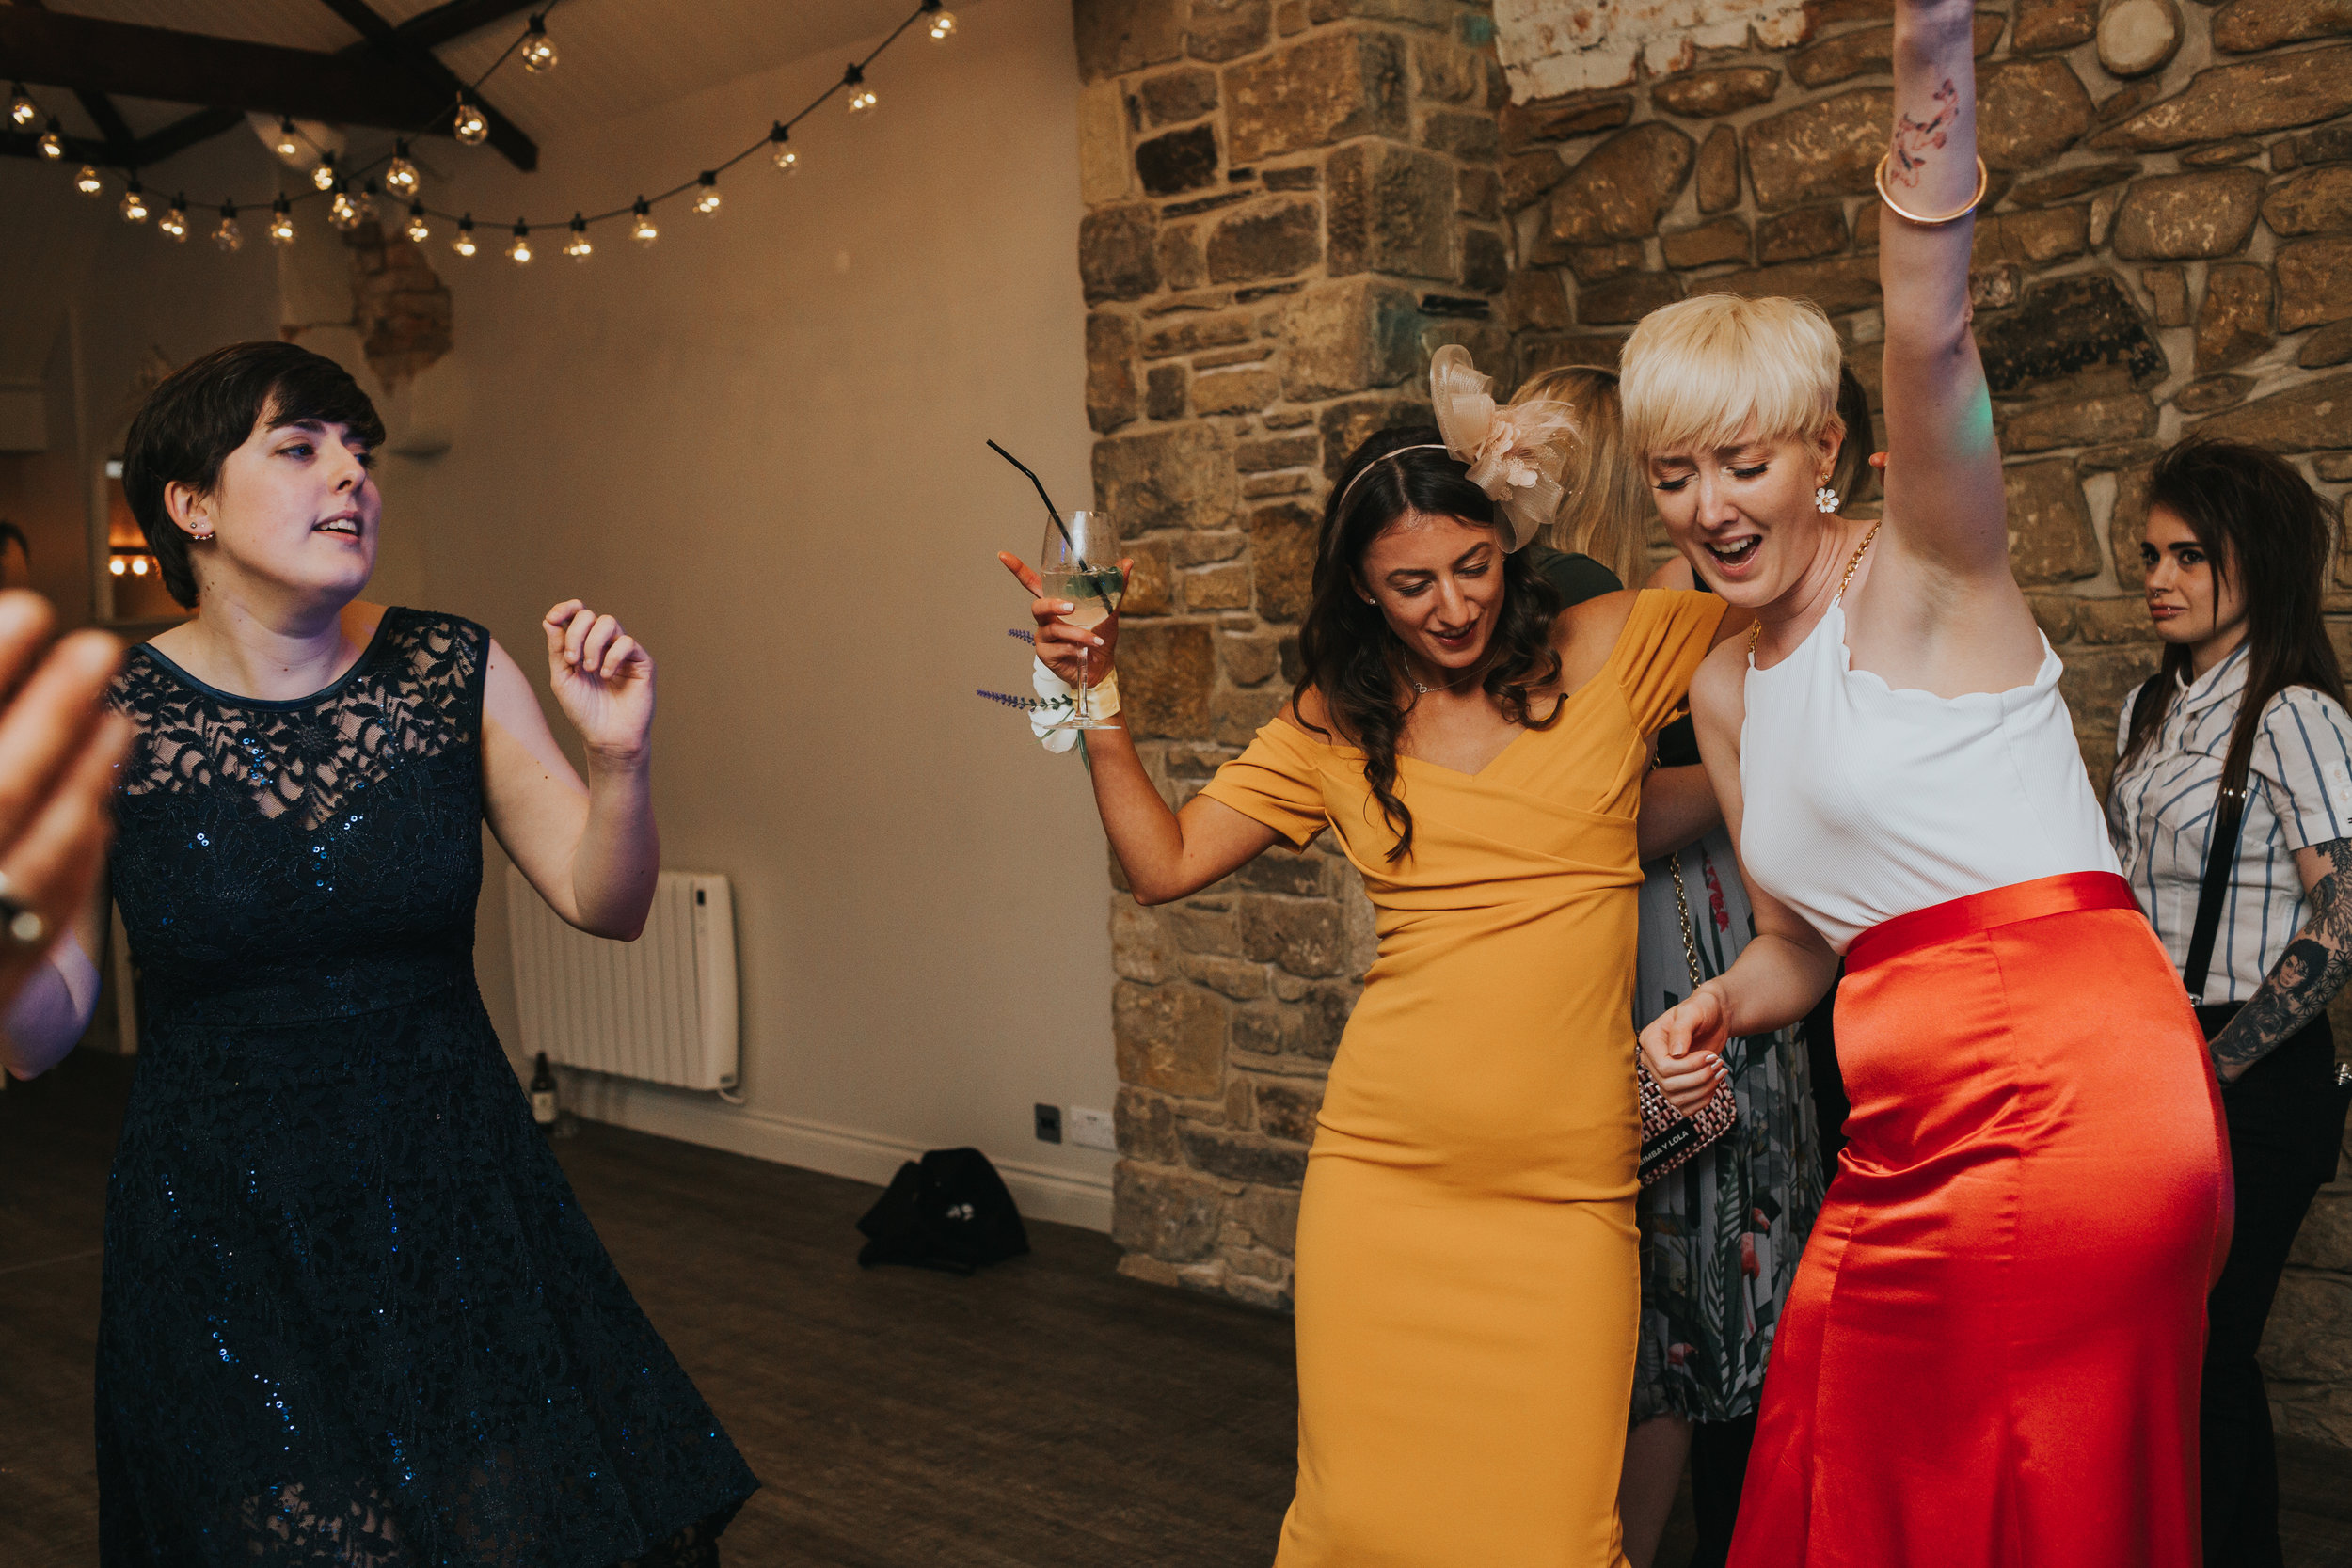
{"type": "Point", "coordinates": [1944, 497]}
{"type": "Point", "coordinates": [1166, 854]}
{"type": "Point", "coordinates": [591, 850]}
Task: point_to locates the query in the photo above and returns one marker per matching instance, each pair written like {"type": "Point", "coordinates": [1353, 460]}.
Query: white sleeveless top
{"type": "Point", "coordinates": [1863, 802]}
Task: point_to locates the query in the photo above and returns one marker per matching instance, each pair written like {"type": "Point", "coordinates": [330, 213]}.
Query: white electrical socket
{"type": "Point", "coordinates": [1092, 1128]}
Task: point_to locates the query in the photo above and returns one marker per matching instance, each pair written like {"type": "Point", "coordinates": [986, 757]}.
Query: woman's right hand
{"type": "Point", "coordinates": [59, 744]}
{"type": "Point", "coordinates": [1683, 1048]}
{"type": "Point", "coordinates": [1069, 651]}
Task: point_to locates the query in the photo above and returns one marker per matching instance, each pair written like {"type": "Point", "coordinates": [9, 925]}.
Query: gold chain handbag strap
{"type": "Point", "coordinates": [1682, 907]}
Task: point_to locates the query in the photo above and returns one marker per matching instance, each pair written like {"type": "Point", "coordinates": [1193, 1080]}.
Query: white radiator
{"type": "Point", "coordinates": [661, 1008]}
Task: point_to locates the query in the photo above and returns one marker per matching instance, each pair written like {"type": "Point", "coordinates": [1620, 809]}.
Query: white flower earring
{"type": "Point", "coordinates": [1825, 500]}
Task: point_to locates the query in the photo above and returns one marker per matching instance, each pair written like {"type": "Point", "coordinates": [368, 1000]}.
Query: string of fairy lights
{"type": "Point", "coordinates": [352, 195]}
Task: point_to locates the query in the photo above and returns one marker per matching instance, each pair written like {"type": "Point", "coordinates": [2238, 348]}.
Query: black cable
{"type": "Point", "coordinates": [767, 139]}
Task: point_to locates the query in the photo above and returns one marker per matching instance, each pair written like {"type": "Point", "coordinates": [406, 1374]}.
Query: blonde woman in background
{"type": "Point", "coordinates": [1604, 506]}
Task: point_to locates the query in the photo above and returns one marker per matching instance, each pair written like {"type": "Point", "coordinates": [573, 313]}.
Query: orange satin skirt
{"type": "Point", "coordinates": [1990, 1353]}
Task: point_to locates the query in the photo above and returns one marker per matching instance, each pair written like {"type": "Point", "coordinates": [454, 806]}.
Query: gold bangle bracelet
{"type": "Point", "coordinates": [1984, 180]}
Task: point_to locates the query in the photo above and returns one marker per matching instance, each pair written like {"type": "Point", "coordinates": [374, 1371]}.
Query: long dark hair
{"type": "Point", "coordinates": [2260, 525]}
{"type": "Point", "coordinates": [1345, 649]}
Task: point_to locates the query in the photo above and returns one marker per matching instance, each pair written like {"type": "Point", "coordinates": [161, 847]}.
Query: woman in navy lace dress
{"type": "Point", "coordinates": [353, 1314]}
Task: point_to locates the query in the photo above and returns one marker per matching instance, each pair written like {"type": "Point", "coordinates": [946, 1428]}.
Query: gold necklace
{"type": "Point", "coordinates": [1756, 628]}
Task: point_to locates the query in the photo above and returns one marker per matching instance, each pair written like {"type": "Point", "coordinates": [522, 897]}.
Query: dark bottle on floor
{"type": "Point", "coordinates": [543, 1109]}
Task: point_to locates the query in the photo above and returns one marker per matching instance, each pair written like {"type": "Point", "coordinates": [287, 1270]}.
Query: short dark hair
{"type": "Point", "coordinates": [204, 410]}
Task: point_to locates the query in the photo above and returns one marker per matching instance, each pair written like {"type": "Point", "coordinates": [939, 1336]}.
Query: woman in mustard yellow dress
{"type": "Point", "coordinates": [1467, 1264]}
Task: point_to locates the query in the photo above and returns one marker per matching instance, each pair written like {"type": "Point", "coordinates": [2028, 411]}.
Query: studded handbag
{"type": "Point", "coordinates": [1668, 1138]}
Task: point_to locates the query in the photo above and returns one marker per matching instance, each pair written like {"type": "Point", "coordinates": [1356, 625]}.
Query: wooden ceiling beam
{"type": "Point", "coordinates": [354, 87]}
{"type": "Point", "coordinates": [403, 53]}
{"type": "Point", "coordinates": [446, 22]}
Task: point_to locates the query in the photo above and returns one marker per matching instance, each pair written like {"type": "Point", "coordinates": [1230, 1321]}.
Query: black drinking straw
{"type": "Point", "coordinates": [1053, 514]}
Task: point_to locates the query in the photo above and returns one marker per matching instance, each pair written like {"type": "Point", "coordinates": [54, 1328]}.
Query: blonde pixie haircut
{"type": "Point", "coordinates": [1700, 372]}
{"type": "Point", "coordinates": [1604, 504]}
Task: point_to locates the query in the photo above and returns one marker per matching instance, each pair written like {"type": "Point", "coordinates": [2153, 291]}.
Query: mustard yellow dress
{"type": "Point", "coordinates": [1468, 1264]}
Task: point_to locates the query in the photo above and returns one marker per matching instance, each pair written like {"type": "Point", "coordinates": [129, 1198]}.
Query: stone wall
{"type": "Point", "coordinates": [1291, 203]}
{"type": "Point", "coordinates": [2167, 246]}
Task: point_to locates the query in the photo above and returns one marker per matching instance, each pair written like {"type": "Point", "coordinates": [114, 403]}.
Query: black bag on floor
{"type": "Point", "coordinates": [951, 1213]}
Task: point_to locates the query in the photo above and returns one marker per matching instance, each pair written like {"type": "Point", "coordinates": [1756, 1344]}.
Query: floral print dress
{"type": "Point", "coordinates": [1721, 1236]}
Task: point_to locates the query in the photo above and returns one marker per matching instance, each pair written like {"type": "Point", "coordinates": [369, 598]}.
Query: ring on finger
{"type": "Point", "coordinates": [20, 924]}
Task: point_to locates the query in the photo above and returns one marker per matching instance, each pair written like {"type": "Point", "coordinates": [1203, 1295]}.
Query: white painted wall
{"type": "Point", "coordinates": [760, 442]}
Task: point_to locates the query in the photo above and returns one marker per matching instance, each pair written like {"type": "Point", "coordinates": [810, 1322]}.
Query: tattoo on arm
{"type": "Point", "coordinates": [1914, 138]}
{"type": "Point", "coordinates": [2314, 967]}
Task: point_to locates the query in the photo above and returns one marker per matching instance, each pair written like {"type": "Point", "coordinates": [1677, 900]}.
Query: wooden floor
{"type": "Point", "coordinates": [1046, 1414]}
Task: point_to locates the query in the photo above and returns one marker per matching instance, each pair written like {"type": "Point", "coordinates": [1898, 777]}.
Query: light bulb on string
{"type": "Point", "coordinates": [471, 126]}
{"type": "Point", "coordinates": [343, 212]}
{"type": "Point", "coordinates": [22, 111]}
{"type": "Point", "coordinates": [707, 200]}
{"type": "Point", "coordinates": [282, 228]}
{"type": "Point", "coordinates": [400, 175]}
{"type": "Point", "coordinates": [538, 49]}
{"type": "Point", "coordinates": [862, 99]}
{"type": "Point", "coordinates": [464, 243]}
{"type": "Point", "coordinates": [87, 182]}
{"type": "Point", "coordinates": [519, 252]}
{"type": "Point", "coordinates": [943, 22]}
{"type": "Point", "coordinates": [780, 148]}
{"type": "Point", "coordinates": [418, 230]}
{"type": "Point", "coordinates": [52, 143]}
{"type": "Point", "coordinates": [324, 176]}
{"type": "Point", "coordinates": [289, 143]}
{"type": "Point", "coordinates": [133, 204]}
{"type": "Point", "coordinates": [577, 247]}
{"type": "Point", "coordinates": [641, 228]}
{"type": "Point", "coordinates": [226, 233]}
{"type": "Point", "coordinates": [366, 203]}
{"type": "Point", "coordinates": [175, 219]}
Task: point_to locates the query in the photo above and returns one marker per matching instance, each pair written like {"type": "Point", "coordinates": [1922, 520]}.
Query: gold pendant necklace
{"type": "Point", "coordinates": [1756, 629]}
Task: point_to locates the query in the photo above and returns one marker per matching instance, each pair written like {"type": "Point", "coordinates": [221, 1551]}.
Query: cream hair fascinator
{"type": "Point", "coordinates": [1515, 452]}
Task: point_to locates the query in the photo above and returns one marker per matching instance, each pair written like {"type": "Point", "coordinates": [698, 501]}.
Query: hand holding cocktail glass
{"type": "Point", "coordinates": [1076, 591]}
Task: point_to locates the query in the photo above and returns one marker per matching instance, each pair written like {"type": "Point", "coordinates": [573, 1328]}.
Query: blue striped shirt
{"type": "Point", "coordinates": [2160, 815]}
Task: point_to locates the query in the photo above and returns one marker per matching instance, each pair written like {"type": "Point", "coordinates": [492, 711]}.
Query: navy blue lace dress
{"type": "Point", "coordinates": [352, 1313]}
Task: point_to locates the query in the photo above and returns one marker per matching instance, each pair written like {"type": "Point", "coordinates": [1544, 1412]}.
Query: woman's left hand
{"type": "Point", "coordinates": [602, 679]}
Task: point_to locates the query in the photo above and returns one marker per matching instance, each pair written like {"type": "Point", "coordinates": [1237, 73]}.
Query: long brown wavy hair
{"type": "Point", "coordinates": [2260, 524]}
{"type": "Point", "coordinates": [1345, 649]}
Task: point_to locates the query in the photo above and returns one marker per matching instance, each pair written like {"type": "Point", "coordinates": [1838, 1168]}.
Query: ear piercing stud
{"type": "Point", "coordinates": [1825, 500]}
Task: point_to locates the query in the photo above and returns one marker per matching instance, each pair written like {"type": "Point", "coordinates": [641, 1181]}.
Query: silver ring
{"type": "Point", "coordinates": [19, 922]}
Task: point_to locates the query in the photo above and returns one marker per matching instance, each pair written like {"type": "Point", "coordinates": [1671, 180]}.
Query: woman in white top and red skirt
{"type": "Point", "coordinates": [1990, 1354]}
{"type": "Point", "coordinates": [2231, 810]}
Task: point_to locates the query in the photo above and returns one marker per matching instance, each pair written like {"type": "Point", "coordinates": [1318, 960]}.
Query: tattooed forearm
{"type": "Point", "coordinates": [2314, 968]}
{"type": "Point", "coordinates": [1914, 138]}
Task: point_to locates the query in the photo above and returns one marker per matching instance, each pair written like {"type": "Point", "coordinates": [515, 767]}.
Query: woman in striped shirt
{"type": "Point", "coordinates": [2237, 753]}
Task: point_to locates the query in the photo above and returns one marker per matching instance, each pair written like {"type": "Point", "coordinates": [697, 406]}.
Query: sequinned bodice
{"type": "Point", "coordinates": [281, 861]}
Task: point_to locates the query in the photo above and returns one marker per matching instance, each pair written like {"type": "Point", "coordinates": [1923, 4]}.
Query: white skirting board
{"type": "Point", "coordinates": [1041, 1195]}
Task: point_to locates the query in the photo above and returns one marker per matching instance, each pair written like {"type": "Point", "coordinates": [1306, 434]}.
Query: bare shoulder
{"type": "Point", "coordinates": [1719, 689]}
{"type": "Point", "coordinates": [1309, 715]}
{"type": "Point", "coordinates": [1596, 622]}
{"type": "Point", "coordinates": [1674, 572]}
